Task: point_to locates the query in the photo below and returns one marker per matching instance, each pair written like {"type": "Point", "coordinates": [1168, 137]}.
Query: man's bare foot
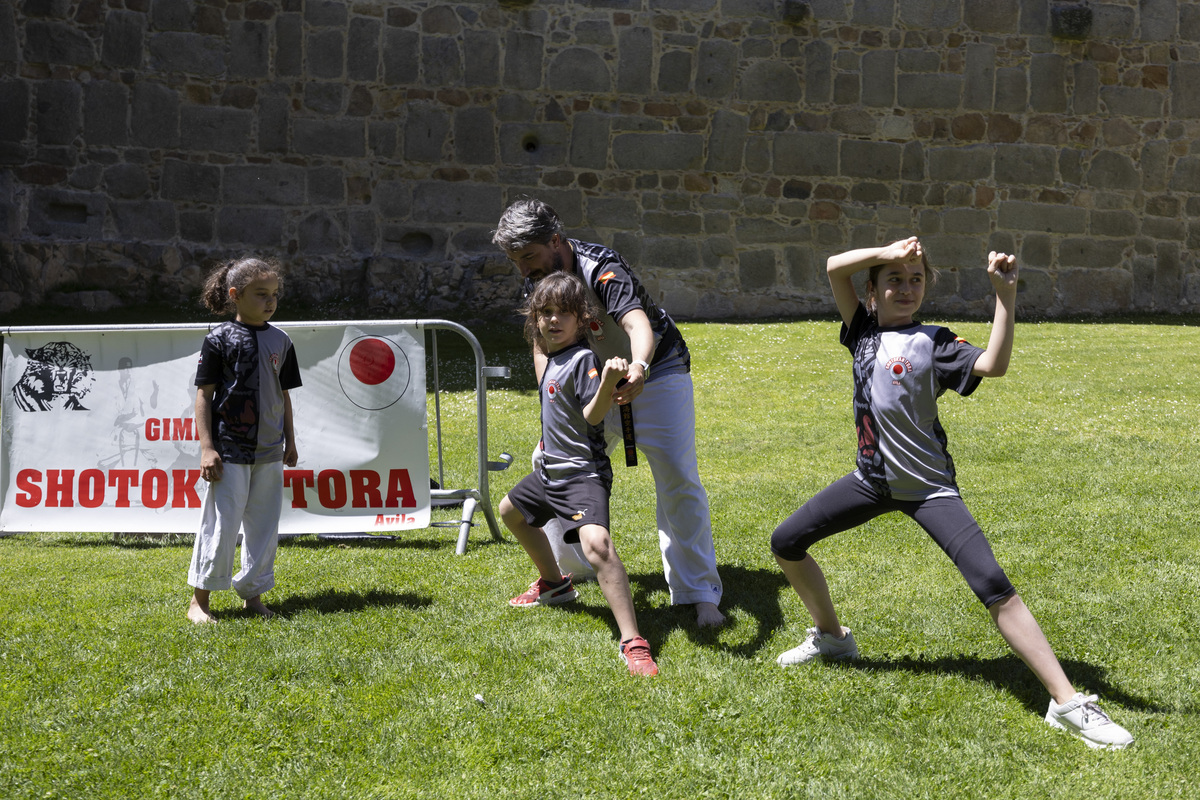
{"type": "Point", "coordinates": [708, 615]}
{"type": "Point", "coordinates": [255, 604]}
{"type": "Point", "coordinates": [198, 614]}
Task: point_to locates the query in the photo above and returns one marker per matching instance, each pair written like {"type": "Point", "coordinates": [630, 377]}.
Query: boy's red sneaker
{"type": "Point", "coordinates": [635, 653]}
{"type": "Point", "coordinates": [544, 593]}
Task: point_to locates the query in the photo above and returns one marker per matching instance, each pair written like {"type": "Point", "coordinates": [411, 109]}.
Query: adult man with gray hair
{"type": "Point", "coordinates": [659, 390]}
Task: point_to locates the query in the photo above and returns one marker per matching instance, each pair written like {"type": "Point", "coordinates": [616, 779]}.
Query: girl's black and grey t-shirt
{"type": "Point", "coordinates": [571, 447]}
{"type": "Point", "coordinates": [899, 373]}
{"type": "Point", "coordinates": [251, 368]}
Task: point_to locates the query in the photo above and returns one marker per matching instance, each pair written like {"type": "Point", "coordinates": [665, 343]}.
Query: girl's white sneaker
{"type": "Point", "coordinates": [1082, 717]}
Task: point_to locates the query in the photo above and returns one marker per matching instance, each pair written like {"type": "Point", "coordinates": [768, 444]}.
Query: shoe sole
{"type": "Point", "coordinates": [557, 599]}
{"type": "Point", "coordinates": [1079, 735]}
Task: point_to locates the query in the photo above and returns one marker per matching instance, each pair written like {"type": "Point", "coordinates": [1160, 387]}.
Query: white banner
{"type": "Point", "coordinates": [99, 434]}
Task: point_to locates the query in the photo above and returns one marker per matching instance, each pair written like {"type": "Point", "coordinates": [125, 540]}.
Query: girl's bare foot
{"type": "Point", "coordinates": [255, 604]}
{"type": "Point", "coordinates": [708, 615]}
{"type": "Point", "coordinates": [199, 614]}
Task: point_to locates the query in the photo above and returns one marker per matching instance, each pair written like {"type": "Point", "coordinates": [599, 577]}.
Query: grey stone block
{"type": "Point", "coordinates": [1095, 290]}
{"type": "Point", "coordinates": [474, 136]}
{"type": "Point", "coordinates": [393, 199]}
{"type": "Point", "coordinates": [249, 49]}
{"type": "Point", "coordinates": [14, 99]}
{"type": "Point", "coordinates": [771, 81]}
{"type": "Point", "coordinates": [124, 32]}
{"type": "Point", "coordinates": [225, 130]}
{"type": "Point", "coordinates": [364, 233]}
{"type": "Point", "coordinates": [320, 234]}
{"type": "Point", "coordinates": [1164, 229]}
{"type": "Point", "coordinates": [992, 16]}
{"type": "Point", "coordinates": [1186, 175]}
{"type": "Point", "coordinates": [57, 43]}
{"type": "Point", "coordinates": [457, 203]}
{"type": "Point", "coordinates": [932, 90]}
{"type": "Point", "coordinates": [1185, 90]}
{"type": "Point", "coordinates": [1086, 97]}
{"type": "Point", "coordinates": [105, 112]}
{"type": "Point", "coordinates": [671, 253]}
{"type": "Point", "coordinates": [289, 45]}
{"type": "Point", "coordinates": [1048, 83]}
{"type": "Point", "coordinates": [362, 49]}
{"type": "Point", "coordinates": [1126, 101]}
{"type": "Point", "coordinates": [261, 227]}
{"type": "Point", "coordinates": [658, 152]}
{"type": "Point", "coordinates": [1041, 217]}
{"type": "Point", "coordinates": [980, 79]}
{"type": "Point", "coordinates": [196, 226]}
{"type": "Point", "coordinates": [578, 69]}
{"type": "Point", "coordinates": [1037, 251]}
{"type": "Point", "coordinates": [425, 133]}
{"type": "Point", "coordinates": [524, 54]}
{"type": "Point", "coordinates": [1159, 20]}
{"type": "Point", "coordinates": [879, 78]}
{"type": "Point", "coordinates": [675, 72]}
{"type": "Point", "coordinates": [328, 13]}
{"type": "Point", "coordinates": [325, 98]}
{"type": "Point", "coordinates": [1114, 223]}
{"type": "Point", "coordinates": [1112, 170]}
{"type": "Point", "coordinates": [126, 181]}
{"type": "Point", "coordinates": [1153, 165]}
{"type": "Point", "coordinates": [337, 137]}
{"type": "Point", "coordinates": [1035, 17]}
{"type": "Point", "coordinates": [401, 56]}
{"type": "Point", "coordinates": [818, 72]}
{"type": "Point", "coordinates": [441, 60]}
{"type": "Point", "coordinates": [874, 13]}
{"type": "Point", "coordinates": [927, 14]}
{"type": "Point", "coordinates": [381, 138]}
{"type": "Point", "coordinates": [144, 220]}
{"type": "Point", "coordinates": [67, 215]}
{"type": "Point", "coordinates": [716, 68]}
{"type": "Point", "coordinates": [589, 140]}
{"type": "Point", "coordinates": [756, 270]}
{"type": "Point", "coordinates": [1012, 90]}
{"type": "Point", "coordinates": [758, 153]}
{"type": "Point", "coordinates": [805, 154]}
{"type": "Point", "coordinates": [913, 59]}
{"type": "Point", "coordinates": [274, 184]}
{"type": "Point", "coordinates": [59, 112]}
{"type": "Point", "coordinates": [613, 212]}
{"type": "Point", "coordinates": [189, 182]}
{"type": "Point", "coordinates": [326, 186]}
{"type": "Point", "coordinates": [661, 223]}
{"type": "Point", "coordinates": [273, 114]}
{"type": "Point", "coordinates": [912, 162]}
{"type": "Point", "coordinates": [10, 50]}
{"type": "Point", "coordinates": [326, 54]}
{"type": "Point", "coordinates": [1070, 166]}
{"type": "Point", "coordinates": [966, 220]}
{"type": "Point", "coordinates": [874, 160]}
{"type": "Point", "coordinates": [482, 58]}
{"type": "Point", "coordinates": [189, 53]}
{"type": "Point", "coordinates": [171, 15]}
{"type": "Point", "coordinates": [756, 230]}
{"type": "Point", "coordinates": [1023, 164]}
{"type": "Point", "coordinates": [635, 49]}
{"type": "Point", "coordinates": [727, 141]}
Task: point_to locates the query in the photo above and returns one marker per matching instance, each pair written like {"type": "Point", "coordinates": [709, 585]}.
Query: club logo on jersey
{"type": "Point", "coordinates": [552, 390]}
{"type": "Point", "coordinates": [898, 367]}
{"type": "Point", "coordinates": [608, 276]}
{"type": "Point", "coordinates": [275, 362]}
{"type": "Point", "coordinates": [597, 329]}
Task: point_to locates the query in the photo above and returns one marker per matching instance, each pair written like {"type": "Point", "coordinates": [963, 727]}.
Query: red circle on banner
{"type": "Point", "coordinates": [372, 361]}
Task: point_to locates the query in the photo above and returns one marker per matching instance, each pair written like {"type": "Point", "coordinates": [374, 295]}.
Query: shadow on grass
{"type": "Point", "coordinates": [754, 593]}
{"type": "Point", "coordinates": [1008, 673]}
{"type": "Point", "coordinates": [333, 601]}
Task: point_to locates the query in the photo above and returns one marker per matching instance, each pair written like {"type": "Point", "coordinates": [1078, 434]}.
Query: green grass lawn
{"type": "Point", "coordinates": [398, 669]}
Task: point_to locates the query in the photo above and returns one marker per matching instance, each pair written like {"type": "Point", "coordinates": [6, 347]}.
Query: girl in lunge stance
{"type": "Point", "coordinates": [244, 423]}
{"type": "Point", "coordinates": [901, 367]}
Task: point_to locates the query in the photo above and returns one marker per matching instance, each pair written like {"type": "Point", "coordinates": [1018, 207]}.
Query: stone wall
{"type": "Point", "coordinates": [726, 147]}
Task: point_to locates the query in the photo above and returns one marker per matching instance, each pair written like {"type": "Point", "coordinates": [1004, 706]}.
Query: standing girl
{"type": "Point", "coordinates": [901, 367]}
{"type": "Point", "coordinates": [244, 422]}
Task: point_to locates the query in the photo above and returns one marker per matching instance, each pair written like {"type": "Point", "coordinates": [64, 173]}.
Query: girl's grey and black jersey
{"type": "Point", "coordinates": [569, 383]}
{"type": "Point", "coordinates": [251, 368]}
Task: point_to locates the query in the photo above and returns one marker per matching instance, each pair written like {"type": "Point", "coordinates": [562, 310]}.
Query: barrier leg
{"type": "Point", "coordinates": [464, 529]}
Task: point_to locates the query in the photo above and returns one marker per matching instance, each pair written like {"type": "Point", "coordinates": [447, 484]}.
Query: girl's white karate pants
{"type": "Point", "coordinates": [249, 499]}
